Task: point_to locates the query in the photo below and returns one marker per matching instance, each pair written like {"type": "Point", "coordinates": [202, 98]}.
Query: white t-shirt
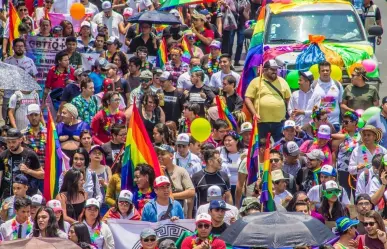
{"type": "Point", "coordinates": [111, 22]}
{"type": "Point", "coordinates": [25, 63]}
{"type": "Point", "coordinates": [331, 97]}
{"type": "Point", "coordinates": [314, 195]}
{"type": "Point", "coordinates": [230, 164]}
{"type": "Point", "coordinates": [278, 198]}
{"type": "Point", "coordinates": [184, 81]}
{"type": "Point", "coordinates": [217, 79]}
{"type": "Point", "coordinates": [139, 5]}
{"type": "Point", "coordinates": [191, 162]}
{"type": "Point", "coordinates": [21, 108]}
{"type": "Point", "coordinates": [161, 210]}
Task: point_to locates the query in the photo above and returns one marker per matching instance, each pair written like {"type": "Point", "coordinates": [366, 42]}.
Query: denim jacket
{"type": "Point", "coordinates": [149, 213]}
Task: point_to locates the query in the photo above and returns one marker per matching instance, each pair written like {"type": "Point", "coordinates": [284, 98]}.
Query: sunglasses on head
{"type": "Point", "coordinates": [201, 226]}
{"type": "Point", "coordinates": [150, 239]}
{"type": "Point", "coordinates": [366, 224]}
{"type": "Point", "coordinates": [274, 160]}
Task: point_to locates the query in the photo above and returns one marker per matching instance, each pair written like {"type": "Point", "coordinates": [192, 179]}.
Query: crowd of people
{"type": "Point", "coordinates": [322, 164]}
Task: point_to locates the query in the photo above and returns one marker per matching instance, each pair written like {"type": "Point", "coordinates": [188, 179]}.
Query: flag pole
{"type": "Point", "coordinates": [259, 87]}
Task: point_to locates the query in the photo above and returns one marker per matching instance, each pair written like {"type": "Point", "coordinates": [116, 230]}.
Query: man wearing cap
{"type": "Point", "coordinates": [203, 35]}
{"type": "Point", "coordinates": [147, 39]}
{"type": "Point", "coordinates": [85, 41]}
{"type": "Point", "coordinates": [184, 81]}
{"type": "Point", "coordinates": [362, 155]}
{"type": "Point", "coordinates": [210, 62]}
{"type": "Point", "coordinates": [330, 92]}
{"type": "Point", "coordinates": [225, 70]}
{"type": "Point", "coordinates": [302, 101]}
{"type": "Point", "coordinates": [378, 184]}
{"type": "Point", "coordinates": [281, 195]}
{"type": "Point", "coordinates": [20, 187]}
{"type": "Point", "coordinates": [181, 183]}
{"type": "Point", "coordinates": [266, 99]}
{"type": "Point", "coordinates": [363, 205]}
{"type": "Point", "coordinates": [20, 226]}
{"type": "Point", "coordinates": [250, 205]}
{"type": "Point", "coordinates": [203, 238]}
{"type": "Point", "coordinates": [323, 138]}
{"type": "Point", "coordinates": [327, 173]}
{"type": "Point", "coordinates": [309, 176]}
{"type": "Point", "coordinates": [293, 162]}
{"type": "Point", "coordinates": [347, 232]}
{"type": "Point", "coordinates": [86, 103]}
{"type": "Point", "coordinates": [173, 99]}
{"type": "Point", "coordinates": [148, 238]}
{"type": "Point", "coordinates": [217, 210]}
{"type": "Point", "coordinates": [109, 18]}
{"type": "Point", "coordinates": [162, 207]}
{"type": "Point", "coordinates": [37, 201]}
{"type": "Point", "coordinates": [167, 244]}
{"type": "Point", "coordinates": [16, 160]}
{"type": "Point", "coordinates": [176, 66]}
{"type": "Point", "coordinates": [290, 131]}
{"type": "Point", "coordinates": [145, 79]}
{"type": "Point", "coordinates": [214, 193]}
{"type": "Point", "coordinates": [380, 121]}
{"type": "Point", "coordinates": [71, 50]}
{"type": "Point", "coordinates": [245, 132]}
{"type": "Point", "coordinates": [184, 158]}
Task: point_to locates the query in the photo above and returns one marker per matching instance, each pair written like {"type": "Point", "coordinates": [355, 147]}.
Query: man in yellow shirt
{"type": "Point", "coordinates": [267, 100]}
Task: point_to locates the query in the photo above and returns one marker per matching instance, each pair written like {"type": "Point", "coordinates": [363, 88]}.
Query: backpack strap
{"type": "Point", "coordinates": [94, 179]}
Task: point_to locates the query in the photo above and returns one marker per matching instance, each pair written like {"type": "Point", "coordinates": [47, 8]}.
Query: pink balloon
{"type": "Point", "coordinates": [369, 65]}
{"type": "Point", "coordinates": [359, 112]}
{"type": "Point", "coordinates": [286, 1]}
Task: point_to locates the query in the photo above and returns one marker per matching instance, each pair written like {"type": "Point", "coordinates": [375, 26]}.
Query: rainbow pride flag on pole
{"type": "Point", "coordinates": [225, 114]}
{"type": "Point", "coordinates": [267, 197]}
{"type": "Point", "coordinates": [253, 155]}
{"type": "Point", "coordinates": [162, 53]}
{"type": "Point", "coordinates": [14, 22]}
{"type": "Point", "coordinates": [187, 51]}
{"type": "Point", "coordinates": [55, 161]}
{"type": "Point", "coordinates": [138, 149]}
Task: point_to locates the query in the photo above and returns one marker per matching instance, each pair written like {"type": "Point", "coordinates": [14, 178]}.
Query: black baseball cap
{"type": "Point", "coordinates": [13, 133]}
{"type": "Point", "coordinates": [22, 179]}
{"type": "Point", "coordinates": [384, 100]}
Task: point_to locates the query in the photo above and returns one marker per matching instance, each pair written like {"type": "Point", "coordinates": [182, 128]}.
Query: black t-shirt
{"type": "Point", "coordinates": [9, 164]}
{"type": "Point", "coordinates": [173, 105]}
{"type": "Point", "coordinates": [69, 92]}
{"type": "Point", "coordinates": [202, 180]}
{"type": "Point", "coordinates": [111, 151]}
{"type": "Point", "coordinates": [138, 41]}
{"type": "Point", "coordinates": [306, 180]}
{"type": "Point", "coordinates": [234, 102]}
{"type": "Point", "coordinates": [217, 231]}
{"type": "Point", "coordinates": [175, 33]}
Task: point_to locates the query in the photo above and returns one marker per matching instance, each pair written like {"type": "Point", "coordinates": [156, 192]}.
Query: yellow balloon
{"type": "Point", "coordinates": [314, 70]}
{"type": "Point", "coordinates": [201, 129]}
{"type": "Point", "coordinates": [336, 73]}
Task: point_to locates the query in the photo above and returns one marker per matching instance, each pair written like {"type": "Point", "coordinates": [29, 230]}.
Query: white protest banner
{"type": "Point", "coordinates": [42, 51]}
{"type": "Point", "coordinates": [126, 233]}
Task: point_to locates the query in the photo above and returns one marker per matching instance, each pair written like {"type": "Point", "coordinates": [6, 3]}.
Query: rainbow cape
{"type": "Point", "coordinates": [138, 149]}
{"type": "Point", "coordinates": [187, 52]}
{"type": "Point", "coordinates": [267, 185]}
{"type": "Point", "coordinates": [253, 155]}
{"type": "Point", "coordinates": [225, 114]}
{"type": "Point", "coordinates": [162, 53]}
{"type": "Point", "coordinates": [14, 22]}
{"type": "Point", "coordinates": [55, 161]}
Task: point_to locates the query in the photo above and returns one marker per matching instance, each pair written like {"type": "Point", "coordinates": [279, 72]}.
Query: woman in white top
{"type": "Point", "coordinates": [45, 224]}
{"type": "Point", "coordinates": [230, 154]}
{"type": "Point", "coordinates": [100, 234]}
{"type": "Point", "coordinates": [58, 210]}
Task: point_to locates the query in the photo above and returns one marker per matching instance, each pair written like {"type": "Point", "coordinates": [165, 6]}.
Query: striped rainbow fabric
{"type": "Point", "coordinates": [253, 155]}
{"type": "Point", "coordinates": [162, 54]}
{"type": "Point", "coordinates": [225, 114]}
{"type": "Point", "coordinates": [187, 52]}
{"type": "Point", "coordinates": [267, 185]}
{"type": "Point", "coordinates": [14, 22]}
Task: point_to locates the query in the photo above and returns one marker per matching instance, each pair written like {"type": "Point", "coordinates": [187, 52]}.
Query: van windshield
{"type": "Point", "coordinates": [295, 27]}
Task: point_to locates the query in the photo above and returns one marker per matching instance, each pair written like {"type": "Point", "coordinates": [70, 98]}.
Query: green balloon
{"type": "Point", "coordinates": [360, 123]}
{"type": "Point", "coordinates": [292, 79]}
{"type": "Point", "coordinates": [372, 111]}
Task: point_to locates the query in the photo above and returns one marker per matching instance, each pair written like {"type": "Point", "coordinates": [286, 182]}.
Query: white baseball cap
{"type": "Point", "coordinates": [55, 205]}
{"type": "Point", "coordinates": [85, 24]}
{"type": "Point", "coordinates": [203, 217]}
{"type": "Point", "coordinates": [214, 193]}
{"type": "Point", "coordinates": [291, 148]}
{"type": "Point", "coordinates": [316, 154]}
{"type": "Point", "coordinates": [183, 139]}
{"type": "Point", "coordinates": [33, 108]}
{"type": "Point", "coordinates": [324, 132]}
{"type": "Point", "coordinates": [38, 200]}
{"type": "Point", "coordinates": [246, 126]}
{"type": "Point", "coordinates": [161, 181]}
{"type": "Point", "coordinates": [92, 202]}
{"type": "Point", "coordinates": [106, 5]}
{"type": "Point", "coordinates": [126, 195]}
{"type": "Point", "coordinates": [328, 170]}
{"type": "Point", "coordinates": [331, 185]}
{"type": "Point", "coordinates": [289, 124]}
{"type": "Point", "coordinates": [277, 175]}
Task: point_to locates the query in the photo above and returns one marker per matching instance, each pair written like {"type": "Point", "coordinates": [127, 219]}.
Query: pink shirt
{"type": "Point", "coordinates": [306, 147]}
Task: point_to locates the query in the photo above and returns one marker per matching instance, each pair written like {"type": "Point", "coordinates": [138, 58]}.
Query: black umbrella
{"type": "Point", "coordinates": [154, 16]}
{"type": "Point", "coordinates": [277, 229]}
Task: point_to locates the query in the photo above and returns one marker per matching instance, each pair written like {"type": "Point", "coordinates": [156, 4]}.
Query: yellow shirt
{"type": "Point", "coordinates": [272, 107]}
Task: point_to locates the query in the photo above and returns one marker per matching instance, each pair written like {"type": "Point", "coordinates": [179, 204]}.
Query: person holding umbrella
{"type": "Point", "coordinates": [203, 238]}
{"type": "Point", "coordinates": [146, 39]}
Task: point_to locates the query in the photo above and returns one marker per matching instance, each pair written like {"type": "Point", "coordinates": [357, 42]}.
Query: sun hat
{"type": "Point", "coordinates": [378, 132]}
{"type": "Point", "coordinates": [344, 223]}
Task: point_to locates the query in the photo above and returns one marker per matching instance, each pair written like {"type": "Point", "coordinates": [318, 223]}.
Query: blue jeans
{"type": "Point", "coordinates": [275, 128]}
{"type": "Point", "coordinates": [240, 39]}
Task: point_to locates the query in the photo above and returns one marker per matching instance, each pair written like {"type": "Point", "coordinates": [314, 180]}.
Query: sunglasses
{"type": "Point", "coordinates": [201, 226]}
{"type": "Point", "coordinates": [277, 182]}
{"type": "Point", "coordinates": [274, 160]}
{"type": "Point", "coordinates": [24, 10]}
{"type": "Point", "coordinates": [144, 80]}
{"type": "Point", "coordinates": [366, 224]}
{"type": "Point", "coordinates": [191, 37]}
{"type": "Point", "coordinates": [150, 240]}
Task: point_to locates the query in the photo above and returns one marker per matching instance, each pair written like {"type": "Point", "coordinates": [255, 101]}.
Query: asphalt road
{"type": "Point", "coordinates": [381, 51]}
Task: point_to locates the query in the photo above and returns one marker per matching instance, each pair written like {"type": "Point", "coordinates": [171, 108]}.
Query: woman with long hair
{"type": "Point", "coordinates": [151, 112]}
{"type": "Point", "coordinates": [144, 176]}
{"type": "Point", "coordinates": [162, 136]}
{"type": "Point", "coordinates": [331, 207]}
{"type": "Point", "coordinates": [56, 206]}
{"type": "Point", "coordinates": [68, 29]}
{"type": "Point", "coordinates": [123, 209]}
{"type": "Point", "coordinates": [105, 118]}
{"type": "Point", "coordinates": [103, 172]}
{"type": "Point", "coordinates": [172, 127]}
{"type": "Point", "coordinates": [70, 129]}
{"type": "Point", "coordinates": [121, 61]}
{"type": "Point", "coordinates": [72, 196]}
{"type": "Point", "coordinates": [301, 196]}
{"type": "Point", "coordinates": [100, 234]}
{"type": "Point", "coordinates": [79, 234]}
{"type": "Point", "coordinates": [45, 224]}
{"type": "Point", "coordinates": [86, 140]}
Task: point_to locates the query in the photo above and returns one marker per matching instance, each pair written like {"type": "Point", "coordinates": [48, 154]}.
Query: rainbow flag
{"type": "Point", "coordinates": [253, 155]}
{"type": "Point", "coordinates": [14, 22]}
{"type": "Point", "coordinates": [187, 51]}
{"type": "Point", "coordinates": [267, 185]}
{"type": "Point", "coordinates": [162, 54]}
{"type": "Point", "coordinates": [138, 149]}
{"type": "Point", "coordinates": [225, 114]}
{"type": "Point", "coordinates": [254, 56]}
{"type": "Point", "coordinates": [159, 29]}
{"type": "Point", "coordinates": [55, 161]}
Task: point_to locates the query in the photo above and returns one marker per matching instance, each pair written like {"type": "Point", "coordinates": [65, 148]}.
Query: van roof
{"type": "Point", "coordinates": [318, 7]}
